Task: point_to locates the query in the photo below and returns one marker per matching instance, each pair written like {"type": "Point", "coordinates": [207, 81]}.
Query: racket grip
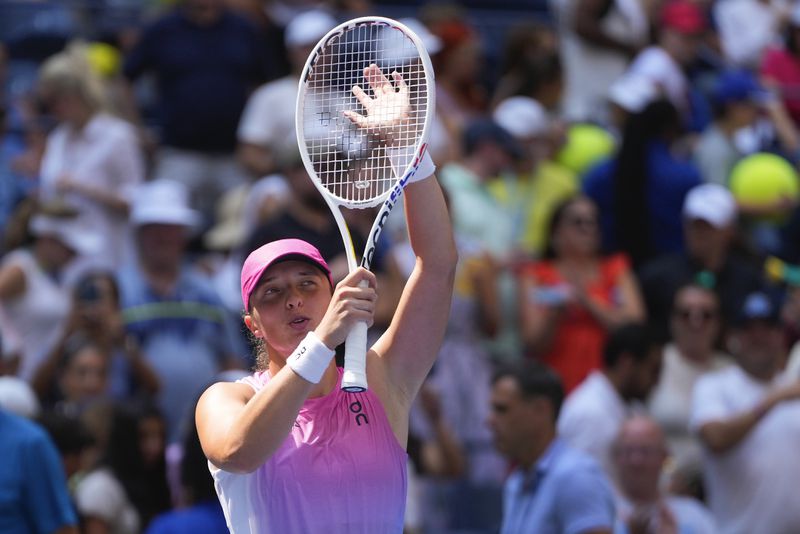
{"type": "Point", "coordinates": [354, 379]}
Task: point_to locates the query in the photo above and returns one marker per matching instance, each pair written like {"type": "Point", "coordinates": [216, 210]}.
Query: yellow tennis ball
{"type": "Point", "coordinates": [104, 59]}
{"type": "Point", "coordinates": [762, 179]}
{"type": "Point", "coordinates": [586, 144]}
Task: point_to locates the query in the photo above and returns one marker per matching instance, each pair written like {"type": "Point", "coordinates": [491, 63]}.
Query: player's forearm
{"type": "Point", "coordinates": [263, 424]}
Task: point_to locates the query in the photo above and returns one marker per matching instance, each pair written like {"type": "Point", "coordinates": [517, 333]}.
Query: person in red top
{"type": "Point", "coordinates": [780, 67]}
{"type": "Point", "coordinates": [575, 295]}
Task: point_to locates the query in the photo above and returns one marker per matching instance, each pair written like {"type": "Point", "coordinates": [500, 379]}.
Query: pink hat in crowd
{"type": "Point", "coordinates": [683, 16]}
{"type": "Point", "coordinates": [282, 250]}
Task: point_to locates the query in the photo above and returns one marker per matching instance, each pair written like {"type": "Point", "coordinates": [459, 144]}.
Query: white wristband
{"type": "Point", "coordinates": [310, 358]}
{"type": "Point", "coordinates": [425, 170]}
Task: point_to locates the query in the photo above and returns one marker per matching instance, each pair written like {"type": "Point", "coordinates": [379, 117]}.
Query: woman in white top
{"type": "Point", "coordinates": [34, 296]}
{"type": "Point", "coordinates": [695, 327]}
{"type": "Point", "coordinates": [92, 160]}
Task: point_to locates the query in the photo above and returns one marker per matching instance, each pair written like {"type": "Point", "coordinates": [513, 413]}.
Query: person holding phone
{"type": "Point", "coordinates": [575, 295]}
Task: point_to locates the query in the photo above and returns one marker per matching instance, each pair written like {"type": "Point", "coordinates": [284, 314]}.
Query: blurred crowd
{"type": "Point", "coordinates": [622, 353]}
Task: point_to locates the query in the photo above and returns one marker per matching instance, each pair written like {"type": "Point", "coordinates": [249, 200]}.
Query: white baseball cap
{"type": "Point", "coordinates": [712, 203]}
{"type": "Point", "coordinates": [522, 116]}
{"type": "Point", "coordinates": [307, 28]}
{"type": "Point", "coordinates": [632, 92]}
{"type": "Point", "coordinates": [17, 397]}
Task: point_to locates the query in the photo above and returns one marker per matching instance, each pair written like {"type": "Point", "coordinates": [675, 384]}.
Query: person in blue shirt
{"type": "Point", "coordinates": [33, 488]}
{"type": "Point", "coordinates": [554, 488]}
{"type": "Point", "coordinates": [640, 191]}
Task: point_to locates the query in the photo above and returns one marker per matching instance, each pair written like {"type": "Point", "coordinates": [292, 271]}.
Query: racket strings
{"type": "Point", "coordinates": [360, 163]}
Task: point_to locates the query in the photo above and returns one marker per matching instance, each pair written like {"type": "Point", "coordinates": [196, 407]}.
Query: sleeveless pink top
{"type": "Point", "coordinates": [340, 470]}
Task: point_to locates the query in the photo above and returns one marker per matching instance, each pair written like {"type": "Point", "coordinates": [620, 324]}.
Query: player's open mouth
{"type": "Point", "coordinates": [298, 323]}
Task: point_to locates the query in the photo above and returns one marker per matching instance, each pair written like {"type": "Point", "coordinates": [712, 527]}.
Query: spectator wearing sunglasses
{"type": "Point", "coordinates": [575, 295]}
{"type": "Point", "coordinates": [691, 353]}
{"type": "Point", "coordinates": [711, 259]}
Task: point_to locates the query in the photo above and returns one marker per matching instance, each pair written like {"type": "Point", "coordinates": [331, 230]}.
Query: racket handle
{"type": "Point", "coordinates": [354, 379]}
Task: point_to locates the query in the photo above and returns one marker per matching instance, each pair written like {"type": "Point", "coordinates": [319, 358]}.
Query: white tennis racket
{"type": "Point", "coordinates": [365, 102]}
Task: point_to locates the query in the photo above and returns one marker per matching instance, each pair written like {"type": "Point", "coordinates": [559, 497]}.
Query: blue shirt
{"type": "Point", "coordinates": [33, 487]}
{"type": "Point", "coordinates": [204, 76]}
{"type": "Point", "coordinates": [668, 181]}
{"type": "Point", "coordinates": [566, 492]}
{"type": "Point", "coordinates": [203, 518]}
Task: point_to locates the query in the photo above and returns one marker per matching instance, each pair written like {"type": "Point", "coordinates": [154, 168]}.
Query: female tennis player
{"type": "Point", "coordinates": [289, 450]}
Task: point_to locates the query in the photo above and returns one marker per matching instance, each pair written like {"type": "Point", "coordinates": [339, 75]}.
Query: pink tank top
{"type": "Point", "coordinates": [340, 470]}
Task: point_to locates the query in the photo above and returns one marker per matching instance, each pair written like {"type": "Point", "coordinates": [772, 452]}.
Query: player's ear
{"type": "Point", "coordinates": [251, 325]}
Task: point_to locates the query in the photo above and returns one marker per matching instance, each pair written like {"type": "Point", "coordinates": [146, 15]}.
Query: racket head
{"type": "Point", "coordinates": [353, 166]}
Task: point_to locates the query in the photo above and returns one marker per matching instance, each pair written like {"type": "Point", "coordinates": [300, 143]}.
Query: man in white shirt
{"type": "Point", "coordinates": [595, 411]}
{"type": "Point", "coordinates": [267, 125]}
{"type": "Point", "coordinates": [748, 418]}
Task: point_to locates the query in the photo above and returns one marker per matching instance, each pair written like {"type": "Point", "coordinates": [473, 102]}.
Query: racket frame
{"type": "Point", "coordinates": [355, 376]}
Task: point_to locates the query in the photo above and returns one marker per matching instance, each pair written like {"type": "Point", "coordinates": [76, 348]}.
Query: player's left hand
{"type": "Point", "coordinates": [387, 109]}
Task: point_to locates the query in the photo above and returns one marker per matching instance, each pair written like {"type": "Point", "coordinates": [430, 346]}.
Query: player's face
{"type": "Point", "coordinates": [289, 301]}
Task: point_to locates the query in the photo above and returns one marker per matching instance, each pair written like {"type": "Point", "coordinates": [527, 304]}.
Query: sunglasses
{"type": "Point", "coordinates": [581, 221]}
{"type": "Point", "coordinates": [703, 314]}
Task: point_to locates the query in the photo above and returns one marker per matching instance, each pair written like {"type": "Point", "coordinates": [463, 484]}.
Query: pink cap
{"type": "Point", "coordinates": [284, 249]}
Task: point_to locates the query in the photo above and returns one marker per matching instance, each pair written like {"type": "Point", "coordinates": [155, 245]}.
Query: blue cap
{"type": "Point", "coordinates": [738, 86]}
{"type": "Point", "coordinates": [759, 306]}
{"type": "Point", "coordinates": [483, 130]}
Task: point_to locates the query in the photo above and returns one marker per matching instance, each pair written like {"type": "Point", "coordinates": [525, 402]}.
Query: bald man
{"type": "Point", "coordinates": [638, 456]}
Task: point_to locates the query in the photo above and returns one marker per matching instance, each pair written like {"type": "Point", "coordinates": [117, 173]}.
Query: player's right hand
{"type": "Point", "coordinates": [353, 301]}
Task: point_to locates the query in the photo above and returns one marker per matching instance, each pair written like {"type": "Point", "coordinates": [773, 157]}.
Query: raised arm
{"type": "Point", "coordinates": [411, 343]}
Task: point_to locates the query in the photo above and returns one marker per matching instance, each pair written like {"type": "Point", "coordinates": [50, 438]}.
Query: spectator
{"type": "Point", "coordinates": [627, 96]}
{"type": "Point", "coordinates": [574, 296]}
{"type": "Point", "coordinates": [201, 512]}
{"type": "Point", "coordinates": [695, 327]}
{"type": "Point", "coordinates": [34, 497]}
{"type": "Point", "coordinates": [489, 150]}
{"type": "Point", "coordinates": [93, 160]}
{"type": "Point", "coordinates": [554, 488]}
{"type": "Point", "coordinates": [747, 418]}
{"type": "Point", "coordinates": [639, 454]}
{"type": "Point", "coordinates": [641, 190]}
{"type": "Point", "coordinates": [267, 125]}
{"type": "Point", "coordinates": [205, 60]}
{"type": "Point", "coordinates": [594, 412]}
{"type": "Point", "coordinates": [461, 97]}
{"type": "Point", "coordinates": [681, 27]}
{"type": "Point", "coordinates": [780, 66]}
{"type": "Point", "coordinates": [746, 28]}
{"type": "Point", "coordinates": [709, 228]}
{"type": "Point", "coordinates": [598, 39]}
{"type": "Point", "coordinates": [168, 308]}
{"type": "Point", "coordinates": [539, 183]}
{"type": "Point", "coordinates": [96, 321]}
{"type": "Point", "coordinates": [81, 377]}
{"type": "Point", "coordinates": [736, 106]}
{"type": "Point", "coordinates": [102, 497]}
{"type": "Point", "coordinates": [530, 66]}
{"type": "Point", "coordinates": [34, 286]}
